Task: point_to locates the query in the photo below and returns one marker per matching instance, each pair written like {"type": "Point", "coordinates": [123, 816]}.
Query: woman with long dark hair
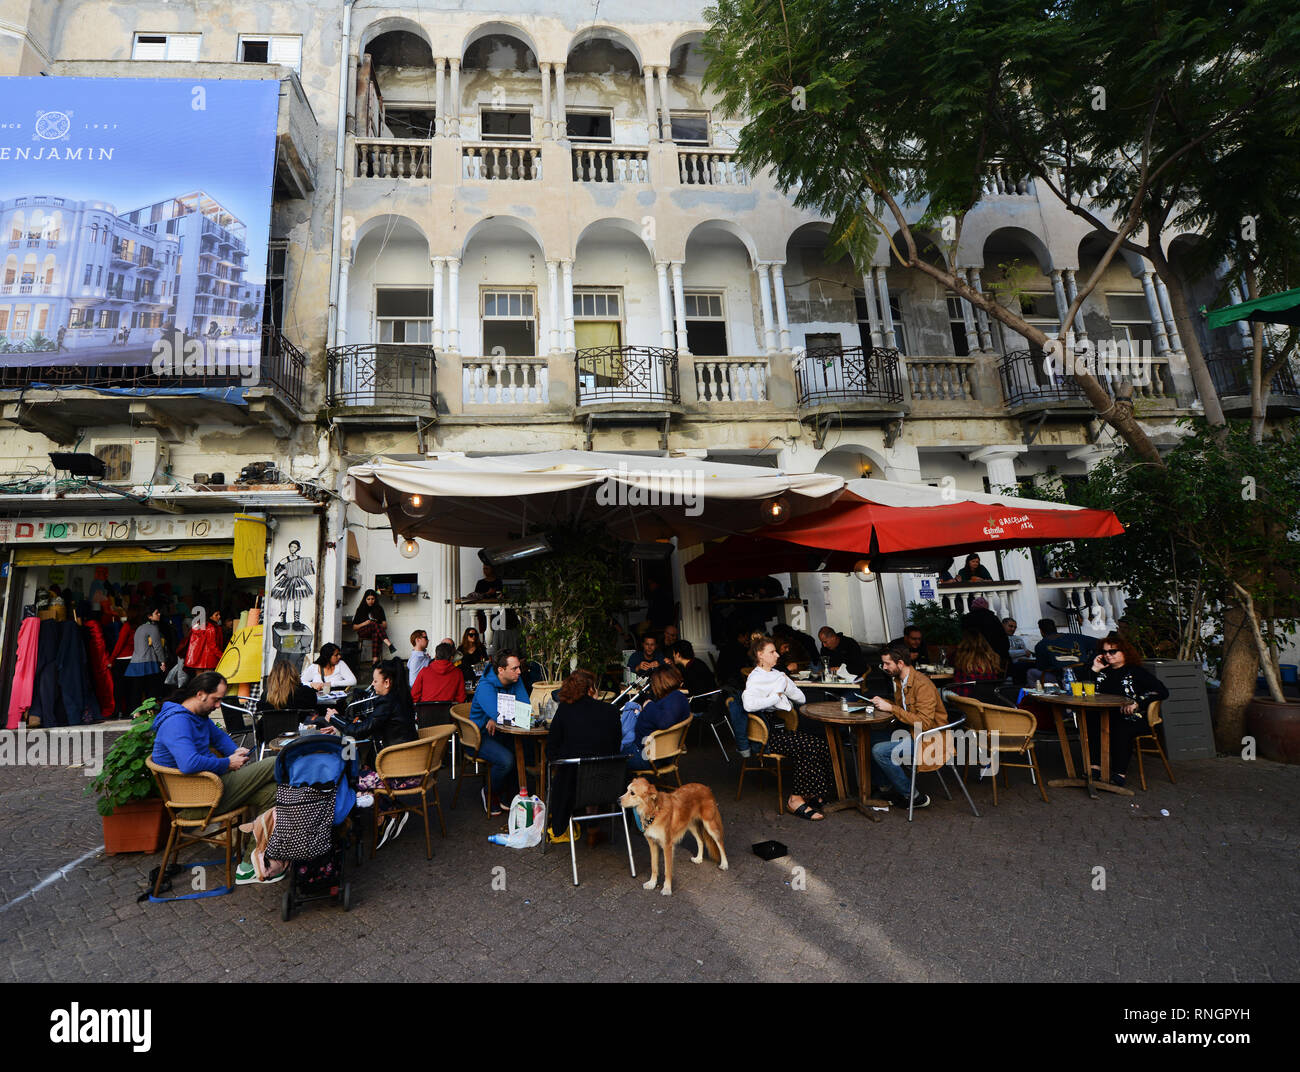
{"type": "Point", "coordinates": [329, 671]}
{"type": "Point", "coordinates": [1118, 670]}
{"type": "Point", "coordinates": [371, 625]}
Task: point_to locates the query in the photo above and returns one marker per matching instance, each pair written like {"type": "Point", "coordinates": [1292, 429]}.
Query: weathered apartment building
{"type": "Point", "coordinates": [524, 229]}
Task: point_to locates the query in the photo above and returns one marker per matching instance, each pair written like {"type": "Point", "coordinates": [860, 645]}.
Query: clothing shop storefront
{"type": "Point", "coordinates": [76, 589]}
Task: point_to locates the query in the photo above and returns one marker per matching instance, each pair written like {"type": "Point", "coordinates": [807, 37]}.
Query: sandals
{"type": "Point", "coordinates": [805, 811]}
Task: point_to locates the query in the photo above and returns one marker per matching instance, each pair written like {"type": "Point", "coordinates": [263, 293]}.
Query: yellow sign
{"type": "Point", "coordinates": [249, 557]}
{"type": "Point", "coordinates": [241, 662]}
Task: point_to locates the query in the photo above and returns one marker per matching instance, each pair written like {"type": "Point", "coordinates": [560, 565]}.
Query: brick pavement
{"type": "Point", "coordinates": [1207, 893]}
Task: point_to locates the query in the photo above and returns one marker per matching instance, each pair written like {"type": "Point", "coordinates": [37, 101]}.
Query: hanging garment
{"type": "Point", "coordinates": [45, 687]}
{"type": "Point", "coordinates": [20, 697]}
{"type": "Point", "coordinates": [204, 648]}
{"type": "Point", "coordinates": [78, 705]}
{"type": "Point", "coordinates": [101, 675]}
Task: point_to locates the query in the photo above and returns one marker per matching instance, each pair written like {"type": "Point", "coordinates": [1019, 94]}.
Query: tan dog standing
{"type": "Point", "coordinates": [666, 816]}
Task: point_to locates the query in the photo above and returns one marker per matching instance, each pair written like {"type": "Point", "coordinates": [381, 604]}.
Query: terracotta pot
{"type": "Point", "coordinates": [1276, 728]}
{"type": "Point", "coordinates": [140, 826]}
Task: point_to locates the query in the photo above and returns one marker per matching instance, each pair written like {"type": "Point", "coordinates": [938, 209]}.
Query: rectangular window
{"type": "Point", "coordinates": [4, 319]}
{"type": "Point", "coordinates": [896, 315]}
{"type": "Point", "coordinates": [690, 128]}
{"type": "Point", "coordinates": [413, 124]}
{"type": "Point", "coordinates": [173, 46]}
{"type": "Point", "coordinates": [90, 268]}
{"type": "Point", "coordinates": [285, 50]}
{"type": "Point", "coordinates": [1130, 322]}
{"type": "Point", "coordinates": [273, 297]}
{"type": "Point", "coordinates": [706, 324]}
{"type": "Point", "coordinates": [590, 126]}
{"type": "Point", "coordinates": [957, 322]}
{"type": "Point", "coordinates": [509, 323]}
{"type": "Point", "coordinates": [826, 340]}
{"type": "Point", "coordinates": [1038, 309]}
{"type": "Point", "coordinates": [404, 315]}
{"type": "Point", "coordinates": [108, 318]}
{"type": "Point", "coordinates": [597, 318]}
{"type": "Point", "coordinates": [502, 125]}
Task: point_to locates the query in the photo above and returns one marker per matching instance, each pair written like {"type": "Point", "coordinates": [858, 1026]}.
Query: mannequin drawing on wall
{"type": "Point", "coordinates": [290, 635]}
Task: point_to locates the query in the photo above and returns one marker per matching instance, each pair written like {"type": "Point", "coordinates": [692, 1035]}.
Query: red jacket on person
{"type": "Point", "coordinates": [440, 681]}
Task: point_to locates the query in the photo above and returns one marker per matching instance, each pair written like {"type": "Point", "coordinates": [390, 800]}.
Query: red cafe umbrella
{"type": "Point", "coordinates": [882, 517]}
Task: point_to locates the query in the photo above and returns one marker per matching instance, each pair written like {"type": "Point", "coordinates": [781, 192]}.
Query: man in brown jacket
{"type": "Point", "coordinates": [918, 706]}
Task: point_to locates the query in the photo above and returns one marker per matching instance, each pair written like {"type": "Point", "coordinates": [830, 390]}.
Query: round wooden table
{"type": "Point", "coordinates": [1103, 704]}
{"type": "Point", "coordinates": [861, 723]}
{"type": "Point", "coordinates": [540, 733]}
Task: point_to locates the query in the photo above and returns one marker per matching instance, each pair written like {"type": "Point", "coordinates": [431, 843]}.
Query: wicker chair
{"type": "Point", "coordinates": [757, 762]}
{"type": "Point", "coordinates": [473, 765]}
{"type": "Point", "coordinates": [182, 792]}
{"type": "Point", "coordinates": [1151, 737]}
{"type": "Point", "coordinates": [664, 750]}
{"type": "Point", "coordinates": [461, 709]}
{"type": "Point", "coordinates": [1015, 731]}
{"type": "Point", "coordinates": [421, 758]}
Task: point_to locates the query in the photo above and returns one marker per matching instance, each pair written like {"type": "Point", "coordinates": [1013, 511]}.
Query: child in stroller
{"type": "Point", "coordinates": [316, 791]}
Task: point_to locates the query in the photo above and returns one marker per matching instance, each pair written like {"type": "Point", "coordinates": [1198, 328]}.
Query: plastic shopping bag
{"type": "Point", "coordinates": [527, 823]}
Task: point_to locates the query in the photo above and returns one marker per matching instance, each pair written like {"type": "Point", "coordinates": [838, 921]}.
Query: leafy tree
{"type": "Point", "coordinates": [1210, 547]}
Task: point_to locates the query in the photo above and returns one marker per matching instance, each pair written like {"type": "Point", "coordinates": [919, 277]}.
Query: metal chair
{"type": "Point", "coordinates": [710, 709]}
{"type": "Point", "coordinates": [421, 758]}
{"type": "Point", "coordinates": [469, 740]}
{"type": "Point", "coordinates": [1151, 736]}
{"type": "Point", "coordinates": [665, 749]}
{"type": "Point", "coordinates": [758, 735]}
{"type": "Point", "coordinates": [599, 780]}
{"type": "Point", "coordinates": [919, 763]}
{"type": "Point", "coordinates": [268, 725]}
{"type": "Point", "coordinates": [237, 713]}
{"type": "Point", "coordinates": [180, 792]}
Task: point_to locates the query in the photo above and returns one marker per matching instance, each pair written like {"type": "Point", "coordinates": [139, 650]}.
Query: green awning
{"type": "Point", "coordinates": [1283, 308]}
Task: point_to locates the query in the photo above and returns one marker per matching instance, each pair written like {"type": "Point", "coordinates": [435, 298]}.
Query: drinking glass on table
{"type": "Point", "coordinates": [1090, 688]}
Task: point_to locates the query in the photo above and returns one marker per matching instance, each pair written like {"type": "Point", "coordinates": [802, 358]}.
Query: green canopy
{"type": "Point", "coordinates": [1283, 308]}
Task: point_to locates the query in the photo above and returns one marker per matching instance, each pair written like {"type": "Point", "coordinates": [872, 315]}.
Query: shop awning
{"type": "Point", "coordinates": [477, 502]}
{"type": "Point", "coordinates": [874, 518]}
{"type": "Point", "coordinates": [103, 554]}
{"type": "Point", "coordinates": [1280, 308]}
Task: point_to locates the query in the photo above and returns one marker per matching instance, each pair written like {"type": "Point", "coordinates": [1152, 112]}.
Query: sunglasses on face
{"type": "Point", "coordinates": [1110, 651]}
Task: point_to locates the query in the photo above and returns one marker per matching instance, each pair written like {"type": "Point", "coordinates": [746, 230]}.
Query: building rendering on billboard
{"type": "Point", "coordinates": [116, 242]}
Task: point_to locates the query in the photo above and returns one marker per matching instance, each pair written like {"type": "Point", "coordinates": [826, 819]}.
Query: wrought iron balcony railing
{"type": "Point", "coordinates": [1026, 380]}
{"type": "Point", "coordinates": [646, 374]}
{"type": "Point", "coordinates": [382, 374]}
{"type": "Point", "coordinates": [848, 374]}
{"type": "Point", "coordinates": [1230, 372]}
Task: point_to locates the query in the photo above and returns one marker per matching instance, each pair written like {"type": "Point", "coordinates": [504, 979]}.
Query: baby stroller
{"type": "Point", "coordinates": [316, 789]}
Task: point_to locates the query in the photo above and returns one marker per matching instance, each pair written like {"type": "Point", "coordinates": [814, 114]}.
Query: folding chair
{"type": "Point", "coordinates": [236, 715]}
{"type": "Point", "coordinates": [919, 747]}
{"type": "Point", "coordinates": [600, 781]}
{"type": "Point", "coordinates": [710, 709]}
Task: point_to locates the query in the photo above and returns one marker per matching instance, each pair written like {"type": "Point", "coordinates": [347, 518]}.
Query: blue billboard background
{"type": "Point", "coordinates": [132, 210]}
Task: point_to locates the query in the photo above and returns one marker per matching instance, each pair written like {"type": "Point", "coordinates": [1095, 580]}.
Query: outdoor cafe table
{"type": "Point", "coordinates": [860, 723]}
{"type": "Point", "coordinates": [1103, 704]}
{"type": "Point", "coordinates": [540, 733]}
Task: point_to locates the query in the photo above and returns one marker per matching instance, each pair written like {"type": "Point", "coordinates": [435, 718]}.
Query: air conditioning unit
{"type": "Point", "coordinates": [135, 461]}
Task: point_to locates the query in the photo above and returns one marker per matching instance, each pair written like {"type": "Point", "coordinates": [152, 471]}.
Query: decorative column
{"type": "Point", "coordinates": [453, 105]}
{"type": "Point", "coordinates": [569, 340]}
{"type": "Point", "coordinates": [782, 316]}
{"type": "Point", "coordinates": [1162, 293]}
{"type": "Point", "coordinates": [341, 319]}
{"type": "Point", "coordinates": [665, 117]}
{"type": "Point", "coordinates": [553, 288]}
{"type": "Point", "coordinates": [888, 337]}
{"type": "Point", "coordinates": [765, 307]}
{"type": "Point", "coordinates": [981, 317]}
{"type": "Point", "coordinates": [562, 119]}
{"type": "Point", "coordinates": [651, 113]}
{"type": "Point", "coordinates": [873, 313]}
{"type": "Point", "coordinates": [439, 116]}
{"type": "Point", "coordinates": [446, 586]}
{"type": "Point", "coordinates": [1000, 462]}
{"type": "Point", "coordinates": [437, 263]}
{"type": "Point", "coordinates": [453, 304]}
{"type": "Point", "coordinates": [1243, 327]}
{"type": "Point", "coordinates": [1058, 290]}
{"type": "Point", "coordinates": [968, 315]}
{"type": "Point", "coordinates": [695, 602]}
{"type": "Point", "coordinates": [547, 126]}
{"type": "Point", "coordinates": [1153, 311]}
{"type": "Point", "coordinates": [665, 307]}
{"type": "Point", "coordinates": [679, 304]}
{"type": "Point", "coordinates": [1072, 292]}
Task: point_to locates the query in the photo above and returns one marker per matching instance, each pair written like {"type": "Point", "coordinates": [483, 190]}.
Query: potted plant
{"type": "Point", "coordinates": [940, 627]}
{"type": "Point", "coordinates": [131, 811]}
{"type": "Point", "coordinates": [567, 607]}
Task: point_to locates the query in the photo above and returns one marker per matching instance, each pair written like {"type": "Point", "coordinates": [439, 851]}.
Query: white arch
{"type": "Point", "coordinates": [1036, 246]}
{"type": "Point", "coordinates": [733, 229]}
{"type": "Point", "coordinates": [608, 33]}
{"type": "Point", "coordinates": [495, 222]}
{"type": "Point", "coordinates": [18, 225]}
{"type": "Point", "coordinates": [1137, 264]}
{"type": "Point", "coordinates": [387, 224]}
{"type": "Point", "coordinates": [392, 24]}
{"type": "Point", "coordinates": [615, 223]}
{"type": "Point", "coordinates": [505, 29]}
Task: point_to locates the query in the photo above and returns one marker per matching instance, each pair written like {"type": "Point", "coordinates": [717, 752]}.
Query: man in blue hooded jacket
{"type": "Point", "coordinates": [502, 679]}
{"type": "Point", "coordinates": [186, 738]}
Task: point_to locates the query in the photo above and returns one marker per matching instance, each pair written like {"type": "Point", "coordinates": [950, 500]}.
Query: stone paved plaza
{"type": "Point", "coordinates": [1208, 892]}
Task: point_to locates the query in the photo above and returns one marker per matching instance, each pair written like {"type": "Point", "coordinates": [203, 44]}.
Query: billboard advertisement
{"type": "Point", "coordinates": [134, 219]}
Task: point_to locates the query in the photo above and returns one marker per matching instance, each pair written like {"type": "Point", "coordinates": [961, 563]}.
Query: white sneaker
{"type": "Point", "coordinates": [401, 824]}
{"type": "Point", "coordinates": [365, 800]}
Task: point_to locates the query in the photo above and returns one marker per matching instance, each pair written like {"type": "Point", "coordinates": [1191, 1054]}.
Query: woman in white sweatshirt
{"type": "Point", "coordinates": [768, 692]}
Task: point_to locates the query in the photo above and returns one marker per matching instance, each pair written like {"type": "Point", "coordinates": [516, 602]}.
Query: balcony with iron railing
{"type": "Point", "coordinates": [1030, 385]}
{"type": "Point", "coordinates": [382, 382]}
{"type": "Point", "coordinates": [1230, 371]}
{"type": "Point", "coordinates": [632, 378]}
{"type": "Point", "coordinates": [849, 378]}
